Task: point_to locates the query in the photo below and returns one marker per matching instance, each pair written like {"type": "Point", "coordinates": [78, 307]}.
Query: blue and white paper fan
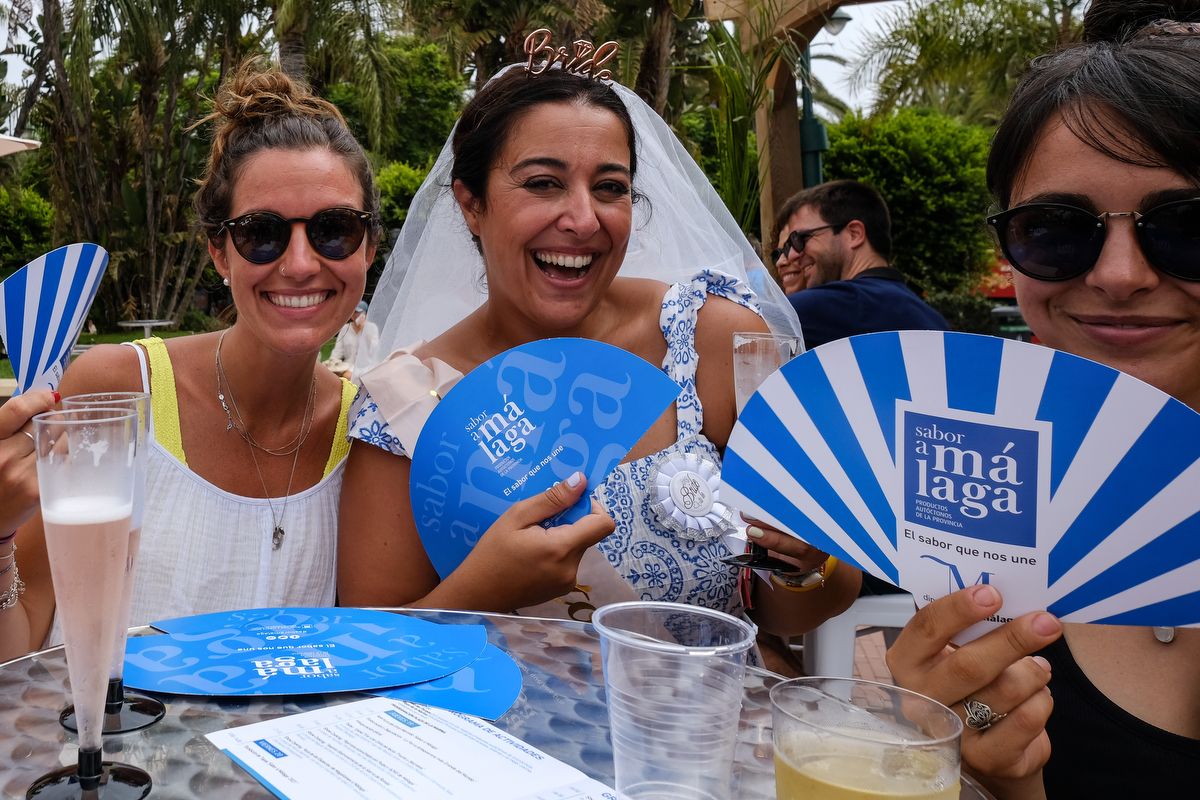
{"type": "Point", "coordinates": [941, 460]}
{"type": "Point", "coordinates": [520, 422]}
{"type": "Point", "coordinates": [43, 306]}
{"type": "Point", "coordinates": [487, 687]}
{"type": "Point", "coordinates": [290, 651]}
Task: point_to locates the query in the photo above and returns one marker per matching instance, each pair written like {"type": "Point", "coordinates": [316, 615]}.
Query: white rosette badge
{"type": "Point", "coordinates": [684, 498]}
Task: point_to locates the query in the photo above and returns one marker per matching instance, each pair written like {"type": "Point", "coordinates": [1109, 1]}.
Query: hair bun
{"type": "Point", "coordinates": [1118, 21]}
{"type": "Point", "coordinates": [256, 91]}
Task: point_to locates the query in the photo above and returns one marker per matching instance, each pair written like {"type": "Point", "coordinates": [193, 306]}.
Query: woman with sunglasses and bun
{"type": "Point", "coordinates": [1097, 167]}
{"type": "Point", "coordinates": [249, 438]}
{"type": "Point", "coordinates": [245, 468]}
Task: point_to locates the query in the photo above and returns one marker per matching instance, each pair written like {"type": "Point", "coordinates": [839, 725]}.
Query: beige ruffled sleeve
{"type": "Point", "coordinates": [398, 395]}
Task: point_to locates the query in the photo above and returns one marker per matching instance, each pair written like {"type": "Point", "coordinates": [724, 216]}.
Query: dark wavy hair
{"type": "Point", "coordinates": [488, 119]}
{"type": "Point", "coordinates": [1131, 90]}
{"type": "Point", "coordinates": [839, 202]}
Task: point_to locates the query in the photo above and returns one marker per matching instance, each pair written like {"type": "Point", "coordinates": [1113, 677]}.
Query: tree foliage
{"type": "Point", "coordinates": [326, 41]}
{"type": "Point", "coordinates": [961, 57]}
{"type": "Point", "coordinates": [737, 77]}
{"type": "Point", "coordinates": [930, 169]}
{"type": "Point", "coordinates": [111, 87]}
{"type": "Point", "coordinates": [398, 183]}
{"type": "Point", "coordinates": [25, 220]}
{"type": "Point", "coordinates": [737, 86]}
{"type": "Point", "coordinates": [124, 78]}
{"type": "Point", "coordinates": [481, 36]}
{"type": "Point", "coordinates": [425, 90]}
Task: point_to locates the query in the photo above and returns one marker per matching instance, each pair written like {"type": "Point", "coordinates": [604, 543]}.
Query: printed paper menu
{"type": "Point", "coordinates": [383, 748]}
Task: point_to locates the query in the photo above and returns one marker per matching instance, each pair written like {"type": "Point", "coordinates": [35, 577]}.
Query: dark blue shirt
{"type": "Point", "coordinates": [875, 300]}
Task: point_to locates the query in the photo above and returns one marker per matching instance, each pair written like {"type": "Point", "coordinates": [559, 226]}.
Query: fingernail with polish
{"type": "Point", "coordinates": [574, 478]}
{"type": "Point", "coordinates": [986, 596]}
{"type": "Point", "coordinates": [1045, 625]}
{"type": "Point", "coordinates": [57, 397]}
{"type": "Point", "coordinates": [754, 532]}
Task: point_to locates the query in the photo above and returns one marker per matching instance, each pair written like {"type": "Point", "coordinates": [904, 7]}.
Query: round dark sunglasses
{"type": "Point", "coordinates": [1057, 242]}
{"type": "Point", "coordinates": [261, 237]}
{"type": "Point", "coordinates": [798, 240]}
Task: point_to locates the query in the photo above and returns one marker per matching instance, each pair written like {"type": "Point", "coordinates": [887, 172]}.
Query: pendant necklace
{"type": "Point", "coordinates": [292, 448]}
{"type": "Point", "coordinates": [277, 531]}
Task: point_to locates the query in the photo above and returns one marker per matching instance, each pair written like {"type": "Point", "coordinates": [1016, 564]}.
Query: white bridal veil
{"type": "Point", "coordinates": [434, 276]}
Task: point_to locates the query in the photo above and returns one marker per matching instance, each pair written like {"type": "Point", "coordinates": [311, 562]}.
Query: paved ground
{"type": "Point", "coordinates": [869, 660]}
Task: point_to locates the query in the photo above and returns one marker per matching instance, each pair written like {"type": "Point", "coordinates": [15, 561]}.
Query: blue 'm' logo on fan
{"type": "Point", "coordinates": [971, 479]}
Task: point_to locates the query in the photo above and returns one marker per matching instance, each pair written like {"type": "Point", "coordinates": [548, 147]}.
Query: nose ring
{"type": "Point", "coordinates": [283, 270]}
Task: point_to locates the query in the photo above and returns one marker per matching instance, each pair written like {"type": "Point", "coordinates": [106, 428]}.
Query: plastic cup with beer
{"type": "Point", "coordinates": [849, 739]}
{"type": "Point", "coordinates": [674, 677]}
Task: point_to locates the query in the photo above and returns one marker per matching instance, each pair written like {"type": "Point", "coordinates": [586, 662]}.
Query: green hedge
{"type": "Point", "coordinates": [25, 222]}
{"type": "Point", "coordinates": [930, 170]}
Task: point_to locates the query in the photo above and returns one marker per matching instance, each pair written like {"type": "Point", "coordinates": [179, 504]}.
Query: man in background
{"type": "Point", "coordinates": [837, 237]}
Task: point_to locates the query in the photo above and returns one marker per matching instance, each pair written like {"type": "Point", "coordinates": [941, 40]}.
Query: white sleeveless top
{"type": "Point", "coordinates": [204, 549]}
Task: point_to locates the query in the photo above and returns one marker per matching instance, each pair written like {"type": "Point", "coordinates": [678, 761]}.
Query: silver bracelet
{"type": "Point", "coordinates": [15, 590]}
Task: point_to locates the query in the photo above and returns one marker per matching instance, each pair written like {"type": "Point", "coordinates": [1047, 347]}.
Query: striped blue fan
{"type": "Point", "coordinates": [43, 307]}
{"type": "Point", "coordinates": [1102, 506]}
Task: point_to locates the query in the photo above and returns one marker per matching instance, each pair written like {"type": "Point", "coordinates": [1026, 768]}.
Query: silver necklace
{"type": "Point", "coordinates": [293, 448]}
{"type": "Point", "coordinates": [240, 425]}
{"type": "Point", "coordinates": [277, 531]}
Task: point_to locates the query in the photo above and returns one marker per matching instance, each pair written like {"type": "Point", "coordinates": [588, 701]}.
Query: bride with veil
{"type": "Point", "coordinates": [564, 206]}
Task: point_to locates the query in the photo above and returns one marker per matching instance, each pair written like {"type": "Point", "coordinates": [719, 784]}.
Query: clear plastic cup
{"type": "Point", "coordinates": [674, 677]}
{"type": "Point", "coordinates": [849, 739]}
{"type": "Point", "coordinates": [755, 356]}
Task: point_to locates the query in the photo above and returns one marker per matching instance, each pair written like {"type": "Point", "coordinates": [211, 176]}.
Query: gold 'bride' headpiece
{"type": "Point", "coordinates": [586, 60]}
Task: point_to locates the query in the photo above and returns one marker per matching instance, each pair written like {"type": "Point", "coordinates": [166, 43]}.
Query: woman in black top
{"type": "Point", "coordinates": [1110, 126]}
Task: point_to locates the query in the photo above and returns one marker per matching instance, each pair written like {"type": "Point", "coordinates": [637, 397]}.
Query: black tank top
{"type": "Point", "coordinates": [1100, 750]}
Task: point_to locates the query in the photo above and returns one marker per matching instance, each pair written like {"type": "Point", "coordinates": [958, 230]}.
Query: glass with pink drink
{"type": "Point", "coordinates": [86, 477]}
{"type": "Point", "coordinates": [124, 711]}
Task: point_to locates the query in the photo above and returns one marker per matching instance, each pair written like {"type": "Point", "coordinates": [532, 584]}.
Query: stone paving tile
{"type": "Point", "coordinates": [869, 663]}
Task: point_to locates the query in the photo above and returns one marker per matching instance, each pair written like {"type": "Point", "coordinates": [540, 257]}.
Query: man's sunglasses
{"type": "Point", "coordinates": [1056, 242]}
{"type": "Point", "coordinates": [261, 237]}
{"type": "Point", "coordinates": [798, 240]}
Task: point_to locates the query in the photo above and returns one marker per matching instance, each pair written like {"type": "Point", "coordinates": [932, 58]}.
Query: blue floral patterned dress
{"type": "Point", "coordinates": [643, 551]}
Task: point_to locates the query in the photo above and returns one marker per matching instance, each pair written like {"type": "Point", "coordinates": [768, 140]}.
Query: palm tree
{"type": "Point", "coordinates": [122, 80]}
{"type": "Point", "coordinates": [484, 35]}
{"type": "Point", "coordinates": [323, 41]}
{"type": "Point", "coordinates": [961, 57]}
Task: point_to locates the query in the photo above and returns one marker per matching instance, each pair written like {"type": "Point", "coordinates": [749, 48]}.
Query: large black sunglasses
{"type": "Point", "coordinates": [261, 237]}
{"type": "Point", "coordinates": [798, 240]}
{"type": "Point", "coordinates": [1057, 242]}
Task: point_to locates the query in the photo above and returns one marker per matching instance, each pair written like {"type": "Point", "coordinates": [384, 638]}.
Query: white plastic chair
{"type": "Point", "coordinates": [828, 651]}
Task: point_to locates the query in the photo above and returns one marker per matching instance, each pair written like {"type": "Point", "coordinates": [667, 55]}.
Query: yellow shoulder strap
{"type": "Point", "coordinates": [341, 445]}
{"type": "Point", "coordinates": [164, 404]}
